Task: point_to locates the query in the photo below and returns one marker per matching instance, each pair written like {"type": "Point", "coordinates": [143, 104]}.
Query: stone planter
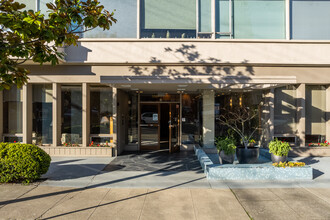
{"type": "Point", "coordinates": [277, 159]}
{"type": "Point", "coordinates": [247, 156]}
{"type": "Point", "coordinates": [226, 159]}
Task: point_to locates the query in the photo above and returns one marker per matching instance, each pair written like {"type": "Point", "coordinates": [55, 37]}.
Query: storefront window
{"type": "Point", "coordinates": [71, 114]}
{"type": "Point", "coordinates": [12, 114]}
{"type": "Point", "coordinates": [285, 107]}
{"type": "Point", "coordinates": [315, 114]}
{"type": "Point", "coordinates": [233, 101]}
{"type": "Point", "coordinates": [100, 109]}
{"type": "Point", "coordinates": [190, 119]}
{"type": "Point", "coordinates": [42, 114]}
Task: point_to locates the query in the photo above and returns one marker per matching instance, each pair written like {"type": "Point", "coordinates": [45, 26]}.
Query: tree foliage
{"type": "Point", "coordinates": [30, 35]}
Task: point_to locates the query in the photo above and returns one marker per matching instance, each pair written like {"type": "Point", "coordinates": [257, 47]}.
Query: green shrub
{"type": "Point", "coordinates": [226, 144]}
{"type": "Point", "coordinates": [22, 162]}
{"type": "Point", "coordinates": [279, 148]}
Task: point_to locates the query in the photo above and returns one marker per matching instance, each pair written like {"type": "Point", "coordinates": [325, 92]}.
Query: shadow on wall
{"type": "Point", "coordinates": [80, 55]}
{"type": "Point", "coordinates": [192, 60]}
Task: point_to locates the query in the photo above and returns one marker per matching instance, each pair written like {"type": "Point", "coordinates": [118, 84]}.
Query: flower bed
{"type": "Point", "coordinates": [107, 144]}
{"type": "Point", "coordinates": [289, 164]}
{"type": "Point", "coordinates": [324, 144]}
{"type": "Point", "coordinates": [251, 171]}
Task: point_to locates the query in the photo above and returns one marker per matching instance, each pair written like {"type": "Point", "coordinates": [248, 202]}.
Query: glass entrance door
{"type": "Point", "coordinates": [174, 127]}
{"type": "Point", "coordinates": [160, 126]}
{"type": "Point", "coordinates": [149, 126]}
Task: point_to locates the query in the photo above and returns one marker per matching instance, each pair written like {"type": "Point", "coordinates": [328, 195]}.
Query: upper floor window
{"type": "Point", "coordinates": [239, 19]}
{"type": "Point", "coordinates": [310, 19]}
{"type": "Point", "coordinates": [126, 26]}
{"type": "Point", "coordinates": [168, 19]}
{"type": "Point", "coordinates": [258, 19]}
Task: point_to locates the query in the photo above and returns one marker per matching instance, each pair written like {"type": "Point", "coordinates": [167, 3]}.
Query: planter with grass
{"type": "Point", "coordinates": [279, 151]}
{"type": "Point", "coordinates": [226, 147]}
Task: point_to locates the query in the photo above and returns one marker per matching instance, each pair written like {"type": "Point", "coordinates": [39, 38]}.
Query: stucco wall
{"type": "Point", "coordinates": [200, 51]}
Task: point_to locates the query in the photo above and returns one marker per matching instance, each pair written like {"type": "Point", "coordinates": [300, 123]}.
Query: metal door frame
{"type": "Point", "coordinates": [158, 103]}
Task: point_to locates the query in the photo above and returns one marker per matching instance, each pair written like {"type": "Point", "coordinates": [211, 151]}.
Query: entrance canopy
{"type": "Point", "coordinates": [196, 82]}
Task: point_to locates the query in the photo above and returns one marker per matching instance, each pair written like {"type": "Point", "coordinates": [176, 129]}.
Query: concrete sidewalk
{"type": "Point", "coordinates": [44, 202]}
{"type": "Point", "coordinates": [87, 172]}
{"type": "Point", "coordinates": [77, 188]}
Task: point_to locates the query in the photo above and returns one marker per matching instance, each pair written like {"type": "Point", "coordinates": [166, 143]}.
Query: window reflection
{"type": "Point", "coordinates": [190, 118]}
{"type": "Point", "coordinates": [42, 114]}
{"type": "Point", "coordinates": [12, 114]}
{"type": "Point", "coordinates": [100, 109]}
{"type": "Point", "coordinates": [315, 114]}
{"type": "Point", "coordinates": [71, 114]}
{"type": "Point", "coordinates": [285, 110]}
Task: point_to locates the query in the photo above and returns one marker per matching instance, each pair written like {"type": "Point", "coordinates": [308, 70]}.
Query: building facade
{"type": "Point", "coordinates": [159, 78]}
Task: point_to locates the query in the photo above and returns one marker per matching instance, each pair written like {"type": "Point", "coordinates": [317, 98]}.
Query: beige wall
{"type": "Point", "coordinates": [194, 51]}
{"type": "Point", "coordinates": [92, 74]}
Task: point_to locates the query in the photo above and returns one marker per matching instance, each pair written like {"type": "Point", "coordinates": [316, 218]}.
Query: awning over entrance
{"type": "Point", "coordinates": [196, 82]}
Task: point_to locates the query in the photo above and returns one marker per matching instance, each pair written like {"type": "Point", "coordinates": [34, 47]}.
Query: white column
{"type": "Point", "coordinates": [213, 18]}
{"type": "Point", "coordinates": [327, 102]}
{"type": "Point", "coordinates": [85, 114]}
{"type": "Point", "coordinates": [301, 115]}
{"type": "Point", "coordinates": [287, 20]}
{"type": "Point", "coordinates": [114, 110]}
{"type": "Point", "coordinates": [1, 116]}
{"type": "Point", "coordinates": [208, 119]}
{"type": "Point", "coordinates": [267, 118]}
{"type": "Point", "coordinates": [57, 117]}
{"type": "Point", "coordinates": [138, 14]}
{"type": "Point", "coordinates": [27, 114]}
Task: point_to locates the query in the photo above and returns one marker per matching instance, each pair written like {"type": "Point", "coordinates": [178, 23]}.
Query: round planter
{"type": "Point", "coordinates": [277, 159]}
{"type": "Point", "coordinates": [225, 158]}
{"type": "Point", "coordinates": [249, 155]}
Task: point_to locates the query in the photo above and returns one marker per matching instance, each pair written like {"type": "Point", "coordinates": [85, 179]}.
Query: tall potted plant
{"type": "Point", "coordinates": [279, 150]}
{"type": "Point", "coordinates": [227, 149]}
{"type": "Point", "coordinates": [239, 119]}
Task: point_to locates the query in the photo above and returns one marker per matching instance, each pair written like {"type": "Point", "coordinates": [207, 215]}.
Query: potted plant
{"type": "Point", "coordinates": [227, 149]}
{"type": "Point", "coordinates": [279, 150]}
{"type": "Point", "coordinates": [240, 120]}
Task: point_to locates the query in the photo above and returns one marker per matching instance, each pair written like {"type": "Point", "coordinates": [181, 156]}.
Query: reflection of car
{"type": "Point", "coordinates": [149, 118]}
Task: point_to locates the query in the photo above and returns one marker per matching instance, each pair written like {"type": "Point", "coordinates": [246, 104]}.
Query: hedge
{"type": "Point", "coordinates": [22, 162]}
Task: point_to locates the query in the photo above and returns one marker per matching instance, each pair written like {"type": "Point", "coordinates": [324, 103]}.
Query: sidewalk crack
{"type": "Point", "coordinates": [20, 196]}
{"type": "Point", "coordinates": [105, 194]}
{"type": "Point", "coordinates": [316, 195]}
{"type": "Point", "coordinates": [59, 201]}
{"type": "Point", "coordinates": [192, 200]}
{"type": "Point", "coordinates": [247, 213]}
{"type": "Point", "coordinates": [144, 201]}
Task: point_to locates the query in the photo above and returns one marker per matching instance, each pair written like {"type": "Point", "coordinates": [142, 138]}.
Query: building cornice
{"type": "Point", "coordinates": [151, 40]}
